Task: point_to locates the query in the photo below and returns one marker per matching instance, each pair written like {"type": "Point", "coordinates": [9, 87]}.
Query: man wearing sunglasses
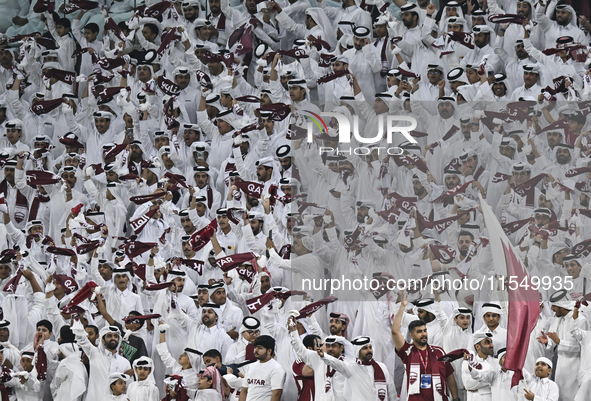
{"type": "Point", "coordinates": [477, 370]}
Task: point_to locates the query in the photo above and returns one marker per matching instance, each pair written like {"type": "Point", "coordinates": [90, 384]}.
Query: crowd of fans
{"type": "Point", "coordinates": [183, 221]}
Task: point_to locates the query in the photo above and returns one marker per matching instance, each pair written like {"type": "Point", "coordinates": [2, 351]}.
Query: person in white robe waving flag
{"type": "Point", "coordinates": [524, 307]}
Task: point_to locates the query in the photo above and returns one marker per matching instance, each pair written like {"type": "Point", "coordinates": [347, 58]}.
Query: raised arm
{"type": "Point", "coordinates": [397, 336]}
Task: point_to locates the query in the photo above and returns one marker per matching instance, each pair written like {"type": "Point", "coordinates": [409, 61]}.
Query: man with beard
{"type": "Point", "coordinates": [364, 62]}
{"type": "Point", "coordinates": [472, 169]}
{"type": "Point", "coordinates": [462, 266]}
{"type": "Point", "coordinates": [368, 378]}
{"type": "Point", "coordinates": [219, 23]}
{"type": "Point", "coordinates": [206, 334]}
{"type": "Point", "coordinates": [326, 380]}
{"type": "Point", "coordinates": [564, 25]}
{"type": "Point", "coordinates": [422, 190]}
{"type": "Point", "coordinates": [513, 64]}
{"type": "Point", "coordinates": [564, 157]}
{"type": "Point", "coordinates": [411, 33]}
{"type": "Point", "coordinates": [553, 138]}
{"type": "Point", "coordinates": [479, 369]}
{"type": "Point", "coordinates": [435, 125]}
{"type": "Point", "coordinates": [201, 175]}
{"type": "Point", "coordinates": [103, 359]}
{"type": "Point", "coordinates": [424, 373]}
{"type": "Point", "coordinates": [495, 87]}
{"type": "Point", "coordinates": [559, 339]}
{"type": "Point", "coordinates": [349, 11]}
{"type": "Point", "coordinates": [264, 379]}
{"type": "Point", "coordinates": [338, 324]}
{"type": "Point", "coordinates": [531, 87]}
{"type": "Point", "coordinates": [189, 95]}
{"type": "Point", "coordinates": [264, 172]}
{"type": "Point", "coordinates": [558, 64]}
{"type": "Point", "coordinates": [514, 32]}
{"type": "Point", "coordinates": [482, 48]}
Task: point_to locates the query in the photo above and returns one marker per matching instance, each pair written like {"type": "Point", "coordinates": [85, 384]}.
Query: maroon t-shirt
{"type": "Point", "coordinates": [305, 384]}
{"type": "Point", "coordinates": [445, 369]}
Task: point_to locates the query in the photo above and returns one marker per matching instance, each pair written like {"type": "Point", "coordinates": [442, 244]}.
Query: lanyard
{"type": "Point", "coordinates": [425, 362]}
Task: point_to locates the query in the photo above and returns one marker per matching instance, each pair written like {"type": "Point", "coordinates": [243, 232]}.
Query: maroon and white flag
{"type": "Point", "coordinates": [464, 38]}
{"type": "Point", "coordinates": [524, 307]}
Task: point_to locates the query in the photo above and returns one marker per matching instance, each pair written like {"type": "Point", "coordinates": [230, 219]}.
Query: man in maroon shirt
{"type": "Point", "coordinates": [427, 379]}
{"type": "Point", "coordinates": [303, 374]}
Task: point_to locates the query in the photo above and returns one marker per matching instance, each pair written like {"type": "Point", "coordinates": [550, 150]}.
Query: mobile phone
{"type": "Point", "coordinates": [271, 235]}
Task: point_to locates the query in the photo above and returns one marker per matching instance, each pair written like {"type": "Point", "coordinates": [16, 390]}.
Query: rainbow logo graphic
{"type": "Point", "coordinates": [316, 119]}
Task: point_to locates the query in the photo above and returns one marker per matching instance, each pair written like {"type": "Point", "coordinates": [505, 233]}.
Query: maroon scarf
{"type": "Point", "coordinates": [221, 26]}
{"type": "Point", "coordinates": [138, 224]}
{"type": "Point", "coordinates": [528, 189]}
{"type": "Point", "coordinates": [378, 376]}
{"type": "Point", "coordinates": [332, 76]}
{"type": "Point", "coordinates": [384, 56]}
{"type": "Point", "coordinates": [434, 367]}
{"type": "Point", "coordinates": [167, 86]}
{"type": "Point", "coordinates": [21, 207]}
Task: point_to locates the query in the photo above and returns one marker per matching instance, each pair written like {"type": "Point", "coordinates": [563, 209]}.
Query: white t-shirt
{"type": "Point", "coordinates": [262, 378]}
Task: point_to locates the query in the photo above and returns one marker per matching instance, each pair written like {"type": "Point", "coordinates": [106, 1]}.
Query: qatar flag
{"type": "Point", "coordinates": [524, 306]}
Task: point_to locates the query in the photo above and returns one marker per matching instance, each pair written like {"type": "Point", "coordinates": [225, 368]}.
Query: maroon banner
{"type": "Point", "coordinates": [410, 158]}
{"type": "Point", "coordinates": [582, 249]}
{"type": "Point", "coordinates": [253, 189]}
{"type": "Point", "coordinates": [138, 224]}
{"type": "Point", "coordinates": [40, 177]}
{"type": "Point", "coordinates": [233, 261]}
{"type": "Point", "coordinates": [514, 226]}
{"type": "Point", "coordinates": [141, 199]}
{"type": "Point", "coordinates": [314, 307]}
{"type": "Point", "coordinates": [45, 106]}
{"type": "Point", "coordinates": [573, 172]}
{"type": "Point", "coordinates": [200, 238]}
{"type": "Point", "coordinates": [168, 87]}
{"type": "Point", "coordinates": [443, 253]}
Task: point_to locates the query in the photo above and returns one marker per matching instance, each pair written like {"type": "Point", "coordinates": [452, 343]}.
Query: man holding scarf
{"type": "Point", "coordinates": [369, 379]}
{"type": "Point", "coordinates": [426, 377]}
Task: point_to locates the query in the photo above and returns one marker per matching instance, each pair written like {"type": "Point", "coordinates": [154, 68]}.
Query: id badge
{"type": "Point", "coordinates": [425, 381]}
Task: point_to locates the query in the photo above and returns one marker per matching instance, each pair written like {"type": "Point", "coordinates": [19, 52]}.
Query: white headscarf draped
{"type": "Point", "coordinates": [79, 375]}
